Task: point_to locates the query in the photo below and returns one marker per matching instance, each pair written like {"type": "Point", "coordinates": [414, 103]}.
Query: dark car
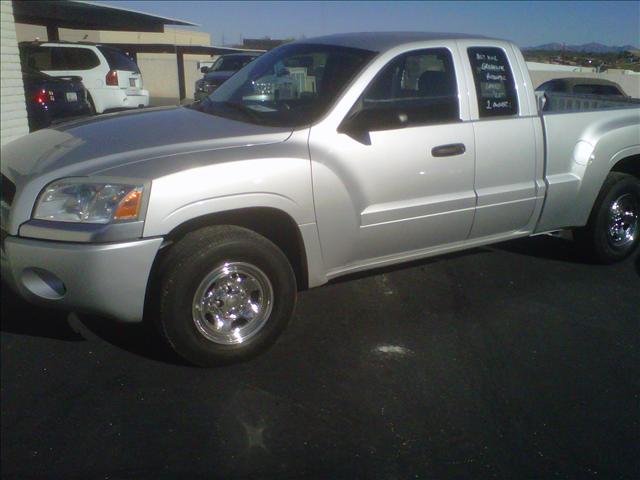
{"type": "Point", "coordinates": [220, 72]}
{"type": "Point", "coordinates": [53, 99]}
{"type": "Point", "coordinates": [585, 86]}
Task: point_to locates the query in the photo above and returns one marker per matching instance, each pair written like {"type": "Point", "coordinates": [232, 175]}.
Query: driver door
{"type": "Point", "coordinates": [404, 183]}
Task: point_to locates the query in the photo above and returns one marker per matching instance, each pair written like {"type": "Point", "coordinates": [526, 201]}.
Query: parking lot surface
{"type": "Point", "coordinates": [512, 361]}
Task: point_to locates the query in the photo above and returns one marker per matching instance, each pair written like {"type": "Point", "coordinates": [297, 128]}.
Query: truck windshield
{"type": "Point", "coordinates": [230, 63]}
{"type": "Point", "coordinates": [290, 86]}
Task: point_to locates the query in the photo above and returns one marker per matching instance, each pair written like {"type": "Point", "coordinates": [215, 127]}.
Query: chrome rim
{"type": "Point", "coordinates": [623, 221]}
{"type": "Point", "coordinates": [232, 303]}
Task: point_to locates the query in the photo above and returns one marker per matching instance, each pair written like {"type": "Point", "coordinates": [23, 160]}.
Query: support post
{"type": "Point", "coordinates": [52, 33]}
{"type": "Point", "coordinates": [181, 80]}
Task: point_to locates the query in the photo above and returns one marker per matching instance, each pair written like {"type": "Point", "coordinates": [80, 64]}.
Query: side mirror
{"type": "Point", "coordinates": [204, 69]}
{"type": "Point", "coordinates": [373, 119]}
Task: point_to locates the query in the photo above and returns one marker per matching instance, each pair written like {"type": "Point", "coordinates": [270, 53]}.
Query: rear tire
{"type": "Point", "coordinates": [226, 293]}
{"type": "Point", "coordinates": [613, 230]}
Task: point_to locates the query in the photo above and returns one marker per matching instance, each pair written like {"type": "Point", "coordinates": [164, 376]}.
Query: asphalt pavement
{"type": "Point", "coordinates": [514, 361]}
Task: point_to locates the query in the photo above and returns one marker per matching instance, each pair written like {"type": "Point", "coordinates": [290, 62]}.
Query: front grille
{"type": "Point", "coordinates": [8, 190]}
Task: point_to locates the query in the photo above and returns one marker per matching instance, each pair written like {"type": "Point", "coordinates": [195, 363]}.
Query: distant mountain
{"type": "Point", "coordinates": [592, 47]}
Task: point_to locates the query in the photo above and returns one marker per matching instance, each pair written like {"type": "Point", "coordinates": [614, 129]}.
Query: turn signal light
{"type": "Point", "coordinates": [112, 78]}
{"type": "Point", "coordinates": [129, 207]}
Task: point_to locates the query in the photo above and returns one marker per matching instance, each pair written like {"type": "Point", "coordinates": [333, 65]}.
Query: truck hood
{"type": "Point", "coordinates": [136, 144]}
{"type": "Point", "coordinates": [93, 146]}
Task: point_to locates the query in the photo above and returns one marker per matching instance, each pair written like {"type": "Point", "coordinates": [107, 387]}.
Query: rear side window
{"type": "Point", "coordinates": [42, 58]}
{"type": "Point", "coordinates": [118, 60]}
{"type": "Point", "coordinates": [232, 64]}
{"type": "Point", "coordinates": [596, 89]}
{"type": "Point", "coordinates": [78, 58]}
{"type": "Point", "coordinates": [553, 86]}
{"type": "Point", "coordinates": [419, 84]}
{"type": "Point", "coordinates": [59, 58]}
{"type": "Point", "coordinates": [495, 86]}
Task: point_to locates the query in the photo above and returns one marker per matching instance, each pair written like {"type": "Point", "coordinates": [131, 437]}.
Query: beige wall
{"type": "Point", "coordinates": [171, 36]}
{"type": "Point", "coordinates": [13, 110]}
{"type": "Point", "coordinates": [28, 33]}
{"type": "Point", "coordinates": [160, 76]}
{"type": "Point", "coordinates": [629, 83]}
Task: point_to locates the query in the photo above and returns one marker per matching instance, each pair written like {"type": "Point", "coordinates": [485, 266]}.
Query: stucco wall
{"type": "Point", "coordinates": [160, 76]}
{"type": "Point", "coordinates": [13, 111]}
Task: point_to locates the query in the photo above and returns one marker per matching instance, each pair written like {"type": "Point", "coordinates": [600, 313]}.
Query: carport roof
{"type": "Point", "coordinates": [84, 15]}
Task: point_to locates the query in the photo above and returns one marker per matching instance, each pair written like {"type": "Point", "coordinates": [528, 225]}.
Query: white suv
{"type": "Point", "coordinates": [112, 79]}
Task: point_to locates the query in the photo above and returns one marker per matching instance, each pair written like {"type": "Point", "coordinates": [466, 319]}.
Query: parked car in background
{"type": "Point", "coordinates": [111, 77]}
{"type": "Point", "coordinates": [220, 72]}
{"type": "Point", "coordinates": [53, 99]}
{"type": "Point", "coordinates": [581, 85]}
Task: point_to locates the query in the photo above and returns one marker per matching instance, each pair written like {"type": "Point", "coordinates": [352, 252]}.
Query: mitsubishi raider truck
{"type": "Point", "coordinates": [395, 146]}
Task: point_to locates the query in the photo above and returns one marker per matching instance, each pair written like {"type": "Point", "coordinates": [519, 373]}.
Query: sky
{"type": "Point", "coordinates": [527, 23]}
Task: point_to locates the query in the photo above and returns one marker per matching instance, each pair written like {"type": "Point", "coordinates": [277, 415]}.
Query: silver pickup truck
{"type": "Point", "coordinates": [384, 148]}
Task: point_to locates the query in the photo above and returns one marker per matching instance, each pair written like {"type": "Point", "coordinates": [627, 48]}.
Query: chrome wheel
{"type": "Point", "coordinates": [623, 221]}
{"type": "Point", "coordinates": [232, 303]}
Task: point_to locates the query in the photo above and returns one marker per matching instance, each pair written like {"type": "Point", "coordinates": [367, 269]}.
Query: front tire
{"type": "Point", "coordinates": [613, 230]}
{"type": "Point", "coordinates": [226, 293]}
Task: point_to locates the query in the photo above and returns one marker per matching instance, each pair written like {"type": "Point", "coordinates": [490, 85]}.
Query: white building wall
{"type": "Point", "coordinates": [13, 110]}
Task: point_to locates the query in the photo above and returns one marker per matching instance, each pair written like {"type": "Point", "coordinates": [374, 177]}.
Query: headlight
{"type": "Point", "coordinates": [76, 200]}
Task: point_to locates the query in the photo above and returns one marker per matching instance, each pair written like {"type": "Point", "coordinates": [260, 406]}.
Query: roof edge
{"type": "Point", "coordinates": [174, 21]}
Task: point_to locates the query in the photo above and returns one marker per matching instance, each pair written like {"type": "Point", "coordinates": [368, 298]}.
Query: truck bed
{"type": "Point", "coordinates": [581, 136]}
{"type": "Point", "coordinates": [575, 102]}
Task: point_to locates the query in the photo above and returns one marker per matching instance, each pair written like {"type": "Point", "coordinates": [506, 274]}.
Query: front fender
{"type": "Point", "coordinates": [159, 224]}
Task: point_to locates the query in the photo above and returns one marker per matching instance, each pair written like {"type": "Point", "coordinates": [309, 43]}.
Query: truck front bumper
{"type": "Point", "coordinates": [105, 279]}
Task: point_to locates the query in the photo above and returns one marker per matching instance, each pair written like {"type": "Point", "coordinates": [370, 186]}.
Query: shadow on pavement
{"type": "Point", "coordinates": [140, 339]}
{"type": "Point", "coordinates": [20, 317]}
{"type": "Point", "coordinates": [552, 248]}
{"type": "Point", "coordinates": [545, 246]}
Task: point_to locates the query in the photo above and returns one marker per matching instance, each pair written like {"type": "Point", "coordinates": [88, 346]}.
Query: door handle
{"type": "Point", "coordinates": [448, 150]}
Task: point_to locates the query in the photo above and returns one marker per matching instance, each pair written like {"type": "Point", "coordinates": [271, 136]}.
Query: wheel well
{"type": "Point", "coordinates": [630, 165]}
{"type": "Point", "coordinates": [271, 223]}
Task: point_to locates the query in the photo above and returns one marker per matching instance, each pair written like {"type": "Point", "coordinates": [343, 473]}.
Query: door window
{"type": "Point", "coordinates": [419, 87]}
